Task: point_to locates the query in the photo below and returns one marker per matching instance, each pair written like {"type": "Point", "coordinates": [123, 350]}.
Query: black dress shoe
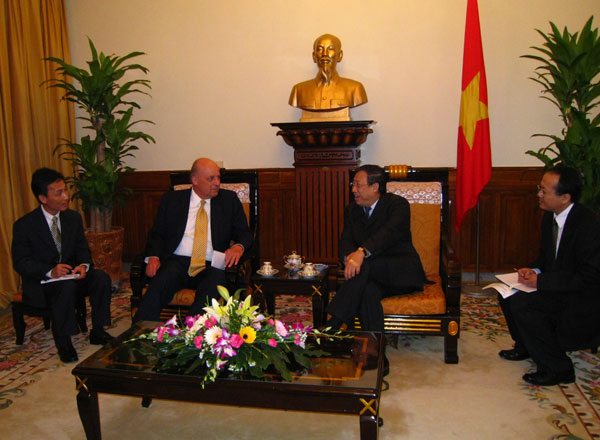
{"type": "Point", "coordinates": [548, 379]}
{"type": "Point", "coordinates": [100, 337]}
{"type": "Point", "coordinates": [67, 353]}
{"type": "Point", "coordinates": [513, 355]}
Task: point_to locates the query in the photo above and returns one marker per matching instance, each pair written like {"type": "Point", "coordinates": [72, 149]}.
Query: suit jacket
{"type": "Point", "coordinates": [385, 233]}
{"type": "Point", "coordinates": [227, 222]}
{"type": "Point", "coordinates": [34, 253]}
{"type": "Point", "coordinates": [573, 278]}
{"type": "Point", "coordinates": [577, 264]}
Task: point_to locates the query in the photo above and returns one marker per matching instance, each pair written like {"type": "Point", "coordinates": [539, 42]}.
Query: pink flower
{"type": "Point", "coordinates": [161, 332]}
{"type": "Point", "coordinates": [171, 322]}
{"type": "Point", "coordinates": [210, 322]}
{"type": "Point", "coordinates": [198, 341]}
{"type": "Point", "coordinates": [190, 320]}
{"type": "Point", "coordinates": [173, 331]}
{"type": "Point", "coordinates": [271, 322]}
{"type": "Point", "coordinates": [236, 341]}
{"type": "Point", "coordinates": [272, 342]}
{"type": "Point", "coordinates": [280, 327]}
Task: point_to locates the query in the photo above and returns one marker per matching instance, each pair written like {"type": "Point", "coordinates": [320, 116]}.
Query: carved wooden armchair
{"type": "Point", "coordinates": [245, 185]}
{"type": "Point", "coordinates": [436, 310]}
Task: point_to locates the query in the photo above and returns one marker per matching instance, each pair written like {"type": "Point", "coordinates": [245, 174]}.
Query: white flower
{"type": "Point", "coordinates": [212, 335]}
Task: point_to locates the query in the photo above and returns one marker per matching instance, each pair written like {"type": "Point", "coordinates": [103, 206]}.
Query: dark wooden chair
{"type": "Point", "coordinates": [20, 310]}
{"type": "Point", "coordinates": [436, 310]}
{"type": "Point", "coordinates": [245, 184]}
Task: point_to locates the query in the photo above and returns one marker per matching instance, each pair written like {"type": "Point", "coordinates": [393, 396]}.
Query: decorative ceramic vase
{"type": "Point", "coordinates": [107, 251]}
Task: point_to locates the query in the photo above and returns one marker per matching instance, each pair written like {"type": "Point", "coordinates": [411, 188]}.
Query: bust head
{"type": "Point", "coordinates": [327, 52]}
{"type": "Point", "coordinates": [327, 97]}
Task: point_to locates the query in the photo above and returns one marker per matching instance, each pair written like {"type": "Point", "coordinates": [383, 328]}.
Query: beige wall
{"type": "Point", "coordinates": [221, 71]}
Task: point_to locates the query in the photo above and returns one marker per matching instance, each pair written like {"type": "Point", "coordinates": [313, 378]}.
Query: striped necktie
{"type": "Point", "coordinates": [367, 211]}
{"type": "Point", "coordinates": [56, 235]}
{"type": "Point", "coordinates": [555, 237]}
{"type": "Point", "coordinates": [198, 261]}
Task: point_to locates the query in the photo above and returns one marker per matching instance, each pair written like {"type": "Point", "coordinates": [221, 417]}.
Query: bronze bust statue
{"type": "Point", "coordinates": [327, 97]}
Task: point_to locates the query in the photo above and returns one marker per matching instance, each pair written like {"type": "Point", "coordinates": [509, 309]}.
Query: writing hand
{"type": "Point", "coordinates": [233, 255]}
{"type": "Point", "coordinates": [60, 270]}
{"type": "Point", "coordinates": [152, 266]}
{"type": "Point", "coordinates": [528, 277]}
{"type": "Point", "coordinates": [354, 262]}
{"type": "Point", "coordinates": [81, 270]}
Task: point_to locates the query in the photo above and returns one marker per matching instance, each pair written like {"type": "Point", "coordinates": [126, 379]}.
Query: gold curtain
{"type": "Point", "coordinates": [32, 116]}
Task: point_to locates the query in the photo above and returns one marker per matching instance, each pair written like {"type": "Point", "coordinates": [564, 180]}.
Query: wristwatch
{"type": "Point", "coordinates": [364, 251]}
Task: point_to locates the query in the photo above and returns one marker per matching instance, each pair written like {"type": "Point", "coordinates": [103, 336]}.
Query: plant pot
{"type": "Point", "coordinates": [107, 251]}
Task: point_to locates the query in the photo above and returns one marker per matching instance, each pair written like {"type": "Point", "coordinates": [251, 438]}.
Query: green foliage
{"type": "Point", "coordinates": [98, 161]}
{"type": "Point", "coordinates": [568, 74]}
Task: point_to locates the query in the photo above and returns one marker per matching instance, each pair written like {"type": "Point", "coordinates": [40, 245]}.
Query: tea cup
{"type": "Point", "coordinates": [309, 269]}
{"type": "Point", "coordinates": [267, 268]}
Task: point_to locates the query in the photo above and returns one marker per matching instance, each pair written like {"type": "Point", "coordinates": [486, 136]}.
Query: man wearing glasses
{"type": "Point", "coordinates": [566, 274]}
{"type": "Point", "coordinates": [377, 252]}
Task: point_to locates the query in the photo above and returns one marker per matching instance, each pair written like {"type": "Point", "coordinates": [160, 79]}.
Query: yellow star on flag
{"type": "Point", "coordinates": [472, 110]}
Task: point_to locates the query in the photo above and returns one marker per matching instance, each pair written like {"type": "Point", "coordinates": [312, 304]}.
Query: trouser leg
{"type": "Point", "coordinates": [206, 283]}
{"type": "Point", "coordinates": [99, 288]}
{"type": "Point", "coordinates": [513, 329]}
{"type": "Point", "coordinates": [537, 315]}
{"type": "Point", "coordinates": [170, 278]}
{"type": "Point", "coordinates": [61, 297]}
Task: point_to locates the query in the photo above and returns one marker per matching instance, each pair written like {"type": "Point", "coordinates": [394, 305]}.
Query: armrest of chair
{"type": "Point", "coordinates": [450, 272]}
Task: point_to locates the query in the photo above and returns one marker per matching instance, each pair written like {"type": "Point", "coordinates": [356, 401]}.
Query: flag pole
{"type": "Point", "coordinates": [476, 289]}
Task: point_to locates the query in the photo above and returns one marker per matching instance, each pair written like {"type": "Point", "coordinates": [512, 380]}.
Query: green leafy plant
{"type": "Point", "coordinates": [99, 160]}
{"type": "Point", "coordinates": [568, 74]}
{"type": "Point", "coordinates": [231, 337]}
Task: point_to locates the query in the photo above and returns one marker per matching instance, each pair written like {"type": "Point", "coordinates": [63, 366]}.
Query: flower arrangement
{"type": "Point", "coordinates": [232, 337]}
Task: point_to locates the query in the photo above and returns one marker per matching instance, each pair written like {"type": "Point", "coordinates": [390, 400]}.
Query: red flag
{"type": "Point", "coordinates": [474, 162]}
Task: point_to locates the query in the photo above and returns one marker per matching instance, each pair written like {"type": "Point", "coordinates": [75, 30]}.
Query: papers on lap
{"type": "Point", "coordinates": [71, 276]}
{"type": "Point", "coordinates": [509, 285]}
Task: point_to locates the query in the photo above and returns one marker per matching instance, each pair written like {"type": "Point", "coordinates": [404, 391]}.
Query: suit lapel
{"type": "Point", "coordinates": [216, 212]}
{"type": "Point", "coordinates": [44, 230]}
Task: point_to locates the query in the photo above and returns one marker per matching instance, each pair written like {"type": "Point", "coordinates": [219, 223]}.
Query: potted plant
{"type": "Point", "coordinates": [569, 78]}
{"type": "Point", "coordinates": [98, 159]}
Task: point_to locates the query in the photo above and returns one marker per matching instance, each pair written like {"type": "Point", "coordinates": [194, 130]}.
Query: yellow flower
{"type": "Point", "coordinates": [248, 334]}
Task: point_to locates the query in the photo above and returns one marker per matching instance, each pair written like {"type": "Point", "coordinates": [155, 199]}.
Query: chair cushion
{"type": "Point", "coordinates": [183, 297]}
{"type": "Point", "coordinates": [430, 301]}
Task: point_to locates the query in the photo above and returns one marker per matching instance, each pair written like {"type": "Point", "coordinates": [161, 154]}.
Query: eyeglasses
{"type": "Point", "coordinates": [358, 185]}
{"type": "Point", "coordinates": [540, 190]}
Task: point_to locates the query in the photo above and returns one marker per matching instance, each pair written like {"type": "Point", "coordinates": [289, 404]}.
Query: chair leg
{"type": "Point", "coordinates": [18, 322]}
{"type": "Point", "coordinates": [451, 349]}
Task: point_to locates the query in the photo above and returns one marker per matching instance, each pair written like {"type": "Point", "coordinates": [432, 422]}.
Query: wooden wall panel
{"type": "Point", "coordinates": [322, 194]}
{"type": "Point", "coordinates": [277, 213]}
{"type": "Point", "coordinates": [508, 211]}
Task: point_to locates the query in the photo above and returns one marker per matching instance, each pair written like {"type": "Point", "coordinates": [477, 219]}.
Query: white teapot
{"type": "Point", "coordinates": [293, 261]}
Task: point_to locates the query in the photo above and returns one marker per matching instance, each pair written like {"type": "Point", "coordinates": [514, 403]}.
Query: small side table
{"type": "Point", "coordinates": [286, 282]}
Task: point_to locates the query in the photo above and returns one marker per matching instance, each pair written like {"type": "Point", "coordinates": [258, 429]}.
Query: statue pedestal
{"type": "Point", "coordinates": [324, 154]}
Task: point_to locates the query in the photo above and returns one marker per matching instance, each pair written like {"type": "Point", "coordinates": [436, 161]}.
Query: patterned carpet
{"type": "Point", "coordinates": [569, 411]}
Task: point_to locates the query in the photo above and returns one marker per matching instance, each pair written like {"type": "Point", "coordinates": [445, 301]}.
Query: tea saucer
{"type": "Point", "coordinates": [321, 267]}
{"type": "Point", "coordinates": [261, 273]}
{"type": "Point", "coordinates": [303, 275]}
{"type": "Point", "coordinates": [287, 266]}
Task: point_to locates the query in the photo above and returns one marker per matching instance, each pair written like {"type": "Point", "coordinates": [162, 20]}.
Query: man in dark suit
{"type": "Point", "coordinates": [376, 248]}
{"type": "Point", "coordinates": [566, 274]}
{"type": "Point", "coordinates": [49, 243]}
{"type": "Point", "coordinates": [171, 241]}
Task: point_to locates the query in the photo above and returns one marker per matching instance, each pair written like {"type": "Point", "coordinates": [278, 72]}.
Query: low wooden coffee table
{"type": "Point", "coordinates": [346, 382]}
{"type": "Point", "coordinates": [286, 282]}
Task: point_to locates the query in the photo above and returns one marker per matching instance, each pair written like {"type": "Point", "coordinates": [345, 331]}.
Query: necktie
{"type": "Point", "coordinates": [198, 261]}
{"type": "Point", "coordinates": [555, 237]}
{"type": "Point", "coordinates": [367, 210]}
{"type": "Point", "coordinates": [56, 234]}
